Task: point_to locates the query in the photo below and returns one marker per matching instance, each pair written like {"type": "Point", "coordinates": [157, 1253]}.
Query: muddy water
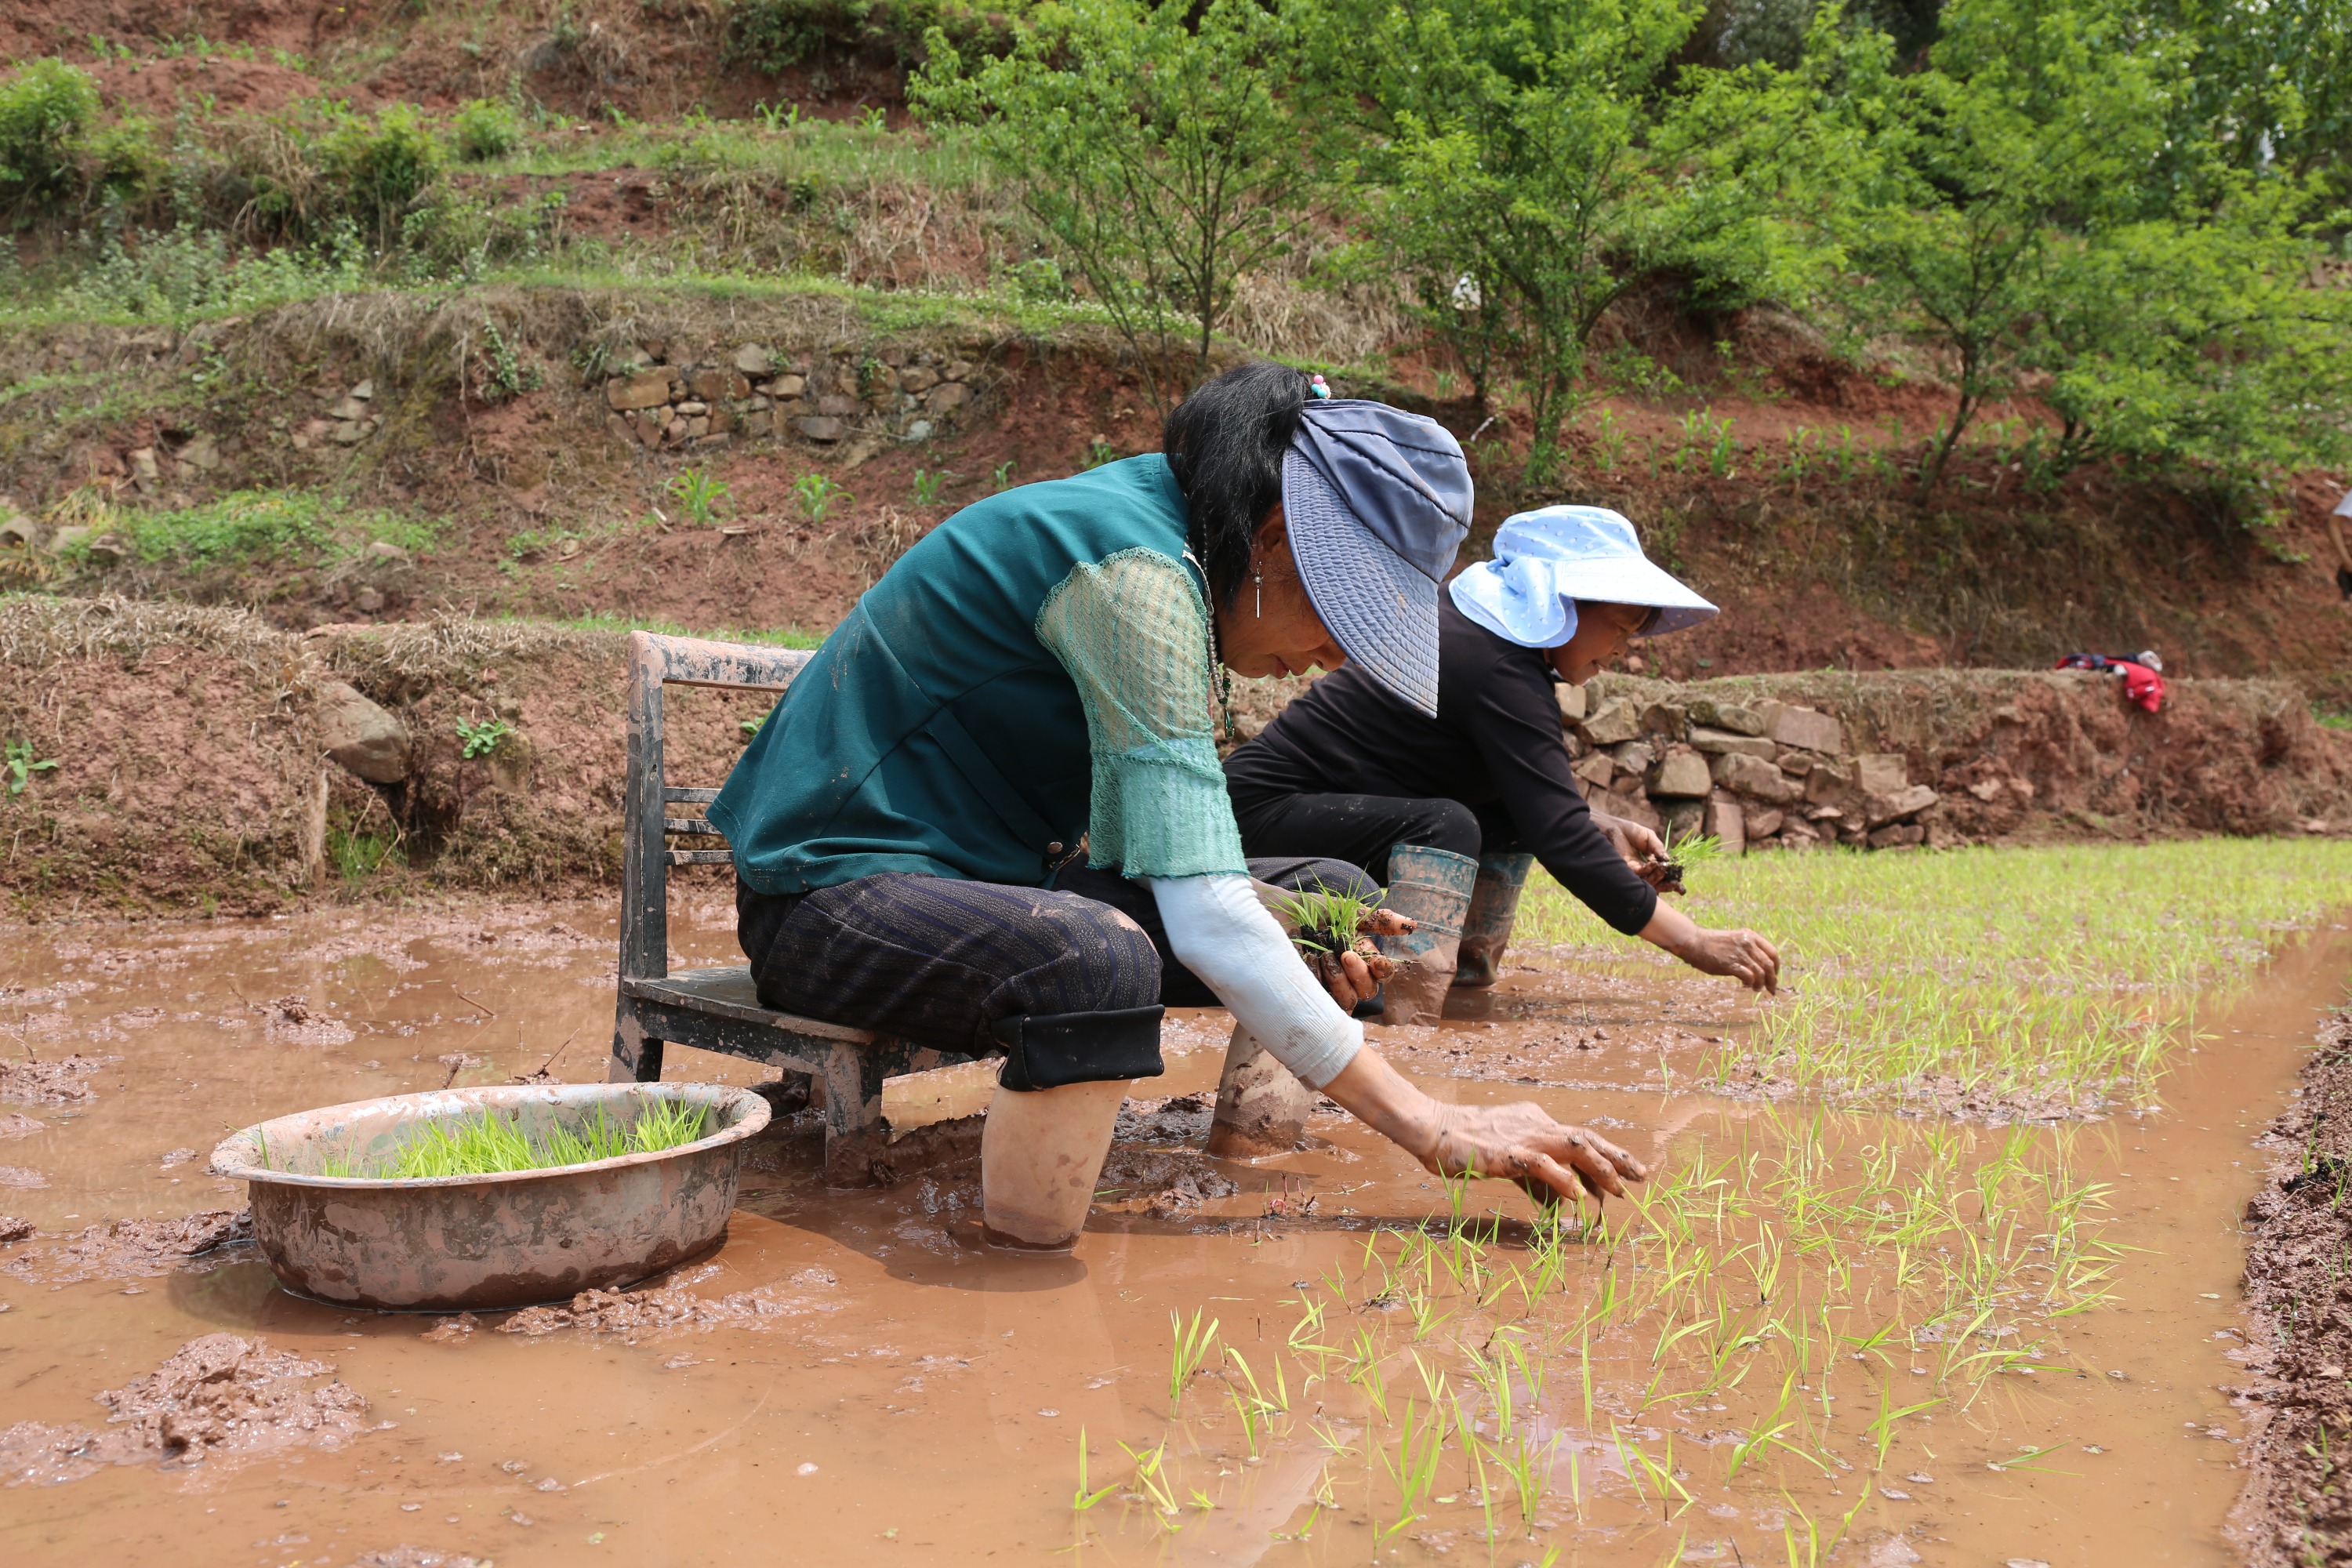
{"type": "Point", "coordinates": [876, 1384]}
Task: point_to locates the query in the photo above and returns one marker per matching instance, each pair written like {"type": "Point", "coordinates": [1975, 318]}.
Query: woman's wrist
{"type": "Point", "coordinates": [1383, 1099]}
{"type": "Point", "coordinates": [1672, 931]}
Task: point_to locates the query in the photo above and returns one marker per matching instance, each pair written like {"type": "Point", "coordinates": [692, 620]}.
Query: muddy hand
{"type": "Point", "coordinates": [1354, 977]}
{"type": "Point", "coordinates": [1642, 849]}
{"type": "Point", "coordinates": [1742, 954]}
{"type": "Point", "coordinates": [1552, 1160]}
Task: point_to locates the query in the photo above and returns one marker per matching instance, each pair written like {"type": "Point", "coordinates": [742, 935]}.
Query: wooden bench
{"type": "Point", "coordinates": [720, 1009]}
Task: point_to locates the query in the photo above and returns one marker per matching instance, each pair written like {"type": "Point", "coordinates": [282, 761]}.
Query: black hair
{"type": "Point", "coordinates": [1225, 444]}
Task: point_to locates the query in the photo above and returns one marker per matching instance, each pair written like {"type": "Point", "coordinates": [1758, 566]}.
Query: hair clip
{"type": "Point", "coordinates": [1319, 386]}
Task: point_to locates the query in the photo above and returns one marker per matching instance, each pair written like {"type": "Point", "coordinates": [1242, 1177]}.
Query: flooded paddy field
{"type": "Point", "coordinates": [1941, 1263]}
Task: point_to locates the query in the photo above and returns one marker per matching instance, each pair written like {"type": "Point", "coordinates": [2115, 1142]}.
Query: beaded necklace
{"type": "Point", "coordinates": [1217, 670]}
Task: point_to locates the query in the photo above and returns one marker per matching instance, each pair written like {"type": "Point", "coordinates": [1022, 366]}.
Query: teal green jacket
{"type": "Point", "coordinates": [935, 733]}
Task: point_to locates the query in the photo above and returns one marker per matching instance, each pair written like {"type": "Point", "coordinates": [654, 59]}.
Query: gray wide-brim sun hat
{"type": "Point", "coordinates": [1546, 559]}
{"type": "Point", "coordinates": [1377, 502]}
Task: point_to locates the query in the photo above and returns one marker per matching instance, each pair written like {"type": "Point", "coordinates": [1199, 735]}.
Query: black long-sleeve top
{"type": "Point", "coordinates": [1495, 742]}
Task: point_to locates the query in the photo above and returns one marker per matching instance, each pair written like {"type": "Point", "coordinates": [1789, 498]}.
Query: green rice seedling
{"type": "Point", "coordinates": [1528, 1469]}
{"type": "Point", "coordinates": [2025, 1460]}
{"type": "Point", "coordinates": [487, 1142]}
{"type": "Point", "coordinates": [1322, 921]}
{"type": "Point", "coordinates": [1082, 1499]}
{"type": "Point", "coordinates": [1660, 1473]}
{"type": "Point", "coordinates": [1186, 1354]}
{"type": "Point", "coordinates": [1881, 1430]}
{"type": "Point", "coordinates": [1764, 1437]}
{"type": "Point", "coordinates": [1251, 1403]}
{"type": "Point", "coordinates": [1364, 1371]}
{"type": "Point", "coordinates": [1413, 1470]}
{"type": "Point", "coordinates": [1150, 1481]}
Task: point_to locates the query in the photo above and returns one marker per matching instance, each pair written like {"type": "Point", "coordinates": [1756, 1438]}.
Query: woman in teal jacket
{"type": "Point", "coordinates": [989, 816]}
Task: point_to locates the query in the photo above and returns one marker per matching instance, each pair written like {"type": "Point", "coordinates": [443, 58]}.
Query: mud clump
{"type": "Point", "coordinates": [139, 1248]}
{"type": "Point", "coordinates": [1179, 1118]}
{"type": "Point", "coordinates": [292, 1021]}
{"type": "Point", "coordinates": [13, 1229]}
{"type": "Point", "coordinates": [61, 1082]}
{"type": "Point", "coordinates": [675, 1307]}
{"type": "Point", "coordinates": [1162, 1184]}
{"type": "Point", "coordinates": [406, 1556]}
{"type": "Point", "coordinates": [217, 1396]}
{"type": "Point", "coordinates": [2297, 1506]}
{"type": "Point", "coordinates": [15, 1126]}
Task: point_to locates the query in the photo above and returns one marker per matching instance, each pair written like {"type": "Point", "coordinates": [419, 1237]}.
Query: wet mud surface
{"type": "Point", "coordinates": [855, 1375]}
{"type": "Point", "coordinates": [218, 1398]}
{"type": "Point", "coordinates": [2299, 1302]}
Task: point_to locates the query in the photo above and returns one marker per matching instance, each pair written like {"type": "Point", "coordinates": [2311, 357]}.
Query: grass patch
{"type": "Point", "coordinates": [2051, 977]}
{"type": "Point", "coordinates": [359, 855]}
{"type": "Point", "coordinates": [263, 525]}
{"type": "Point", "coordinates": [807, 157]}
{"type": "Point", "coordinates": [488, 1143]}
{"type": "Point", "coordinates": [613, 621]}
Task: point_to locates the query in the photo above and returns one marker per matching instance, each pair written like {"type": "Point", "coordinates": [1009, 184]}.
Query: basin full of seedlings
{"type": "Point", "coordinates": [475, 1199]}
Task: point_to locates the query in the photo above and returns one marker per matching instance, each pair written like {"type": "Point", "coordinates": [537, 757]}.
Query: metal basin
{"type": "Point", "coordinates": [476, 1243]}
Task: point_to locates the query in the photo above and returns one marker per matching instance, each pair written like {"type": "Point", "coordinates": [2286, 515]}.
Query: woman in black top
{"type": "Point", "coordinates": [1349, 772]}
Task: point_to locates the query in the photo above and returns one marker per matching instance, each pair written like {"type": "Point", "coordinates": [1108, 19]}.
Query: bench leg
{"type": "Point", "coordinates": [854, 1133]}
{"type": "Point", "coordinates": [636, 1058]}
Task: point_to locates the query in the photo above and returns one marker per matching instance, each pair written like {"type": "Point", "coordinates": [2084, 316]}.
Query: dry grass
{"type": "Point", "coordinates": [38, 632]}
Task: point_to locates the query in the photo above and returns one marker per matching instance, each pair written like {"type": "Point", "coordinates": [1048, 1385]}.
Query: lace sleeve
{"type": "Point", "coordinates": [1132, 632]}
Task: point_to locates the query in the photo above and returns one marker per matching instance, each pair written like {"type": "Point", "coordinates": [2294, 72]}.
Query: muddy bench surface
{"type": "Point", "coordinates": [719, 1009]}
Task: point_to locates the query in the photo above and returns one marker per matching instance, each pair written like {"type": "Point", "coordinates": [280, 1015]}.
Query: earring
{"type": "Point", "coordinates": [1257, 586]}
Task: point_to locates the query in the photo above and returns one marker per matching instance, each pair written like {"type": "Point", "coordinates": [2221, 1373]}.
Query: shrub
{"type": "Point", "coordinates": [45, 113]}
{"type": "Point", "coordinates": [485, 130]}
{"type": "Point", "coordinates": [185, 271]}
{"type": "Point", "coordinates": [124, 161]}
{"type": "Point", "coordinates": [773, 34]}
{"type": "Point", "coordinates": [382, 166]}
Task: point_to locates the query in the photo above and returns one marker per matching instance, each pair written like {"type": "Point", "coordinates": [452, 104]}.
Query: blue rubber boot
{"type": "Point", "coordinates": [1431, 888]}
{"type": "Point", "coordinates": [1486, 928]}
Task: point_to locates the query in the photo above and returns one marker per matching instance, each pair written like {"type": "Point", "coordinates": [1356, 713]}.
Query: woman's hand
{"type": "Point", "coordinates": [1742, 954]}
{"type": "Point", "coordinates": [1549, 1159]}
{"type": "Point", "coordinates": [1642, 849]}
{"type": "Point", "coordinates": [1355, 976]}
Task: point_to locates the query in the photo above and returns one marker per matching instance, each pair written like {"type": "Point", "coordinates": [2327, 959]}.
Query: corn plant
{"type": "Point", "coordinates": [818, 495]}
{"type": "Point", "coordinates": [697, 492]}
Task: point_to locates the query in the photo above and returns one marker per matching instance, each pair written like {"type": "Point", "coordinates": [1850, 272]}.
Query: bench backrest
{"type": "Point", "coordinates": [646, 855]}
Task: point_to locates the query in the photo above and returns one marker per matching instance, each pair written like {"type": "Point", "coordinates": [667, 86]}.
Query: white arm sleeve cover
{"type": "Point", "coordinates": [1221, 933]}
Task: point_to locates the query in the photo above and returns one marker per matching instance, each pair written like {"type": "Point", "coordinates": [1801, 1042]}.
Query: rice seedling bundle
{"type": "Point", "coordinates": [487, 1142]}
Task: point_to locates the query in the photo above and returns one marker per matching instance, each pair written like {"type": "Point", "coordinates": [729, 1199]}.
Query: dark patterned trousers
{"type": "Point", "coordinates": [938, 961]}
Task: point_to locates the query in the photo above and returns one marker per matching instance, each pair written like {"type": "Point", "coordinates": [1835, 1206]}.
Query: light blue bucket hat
{"type": "Point", "coordinates": [1547, 560]}
{"type": "Point", "coordinates": [1377, 502]}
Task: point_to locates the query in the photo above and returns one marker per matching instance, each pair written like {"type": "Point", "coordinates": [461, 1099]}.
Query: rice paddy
{"type": "Point", "coordinates": [1815, 1301]}
{"type": "Point", "coordinates": [2045, 981]}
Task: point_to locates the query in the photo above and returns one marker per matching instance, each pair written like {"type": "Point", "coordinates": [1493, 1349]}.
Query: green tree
{"type": "Point", "coordinates": [2202, 346]}
{"type": "Point", "coordinates": [1153, 148]}
{"type": "Point", "coordinates": [2030, 124]}
{"type": "Point", "coordinates": [2270, 95]}
{"type": "Point", "coordinates": [2023, 216]}
{"type": "Point", "coordinates": [1525, 163]}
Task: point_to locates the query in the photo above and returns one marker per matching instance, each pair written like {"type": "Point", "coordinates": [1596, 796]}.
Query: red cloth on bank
{"type": "Point", "coordinates": [2141, 684]}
